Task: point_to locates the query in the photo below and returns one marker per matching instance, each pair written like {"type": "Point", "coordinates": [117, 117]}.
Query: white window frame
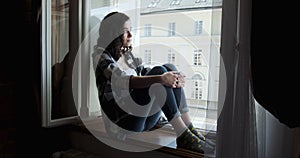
{"type": "Point", "coordinates": [172, 29]}
{"type": "Point", "coordinates": [171, 56]}
{"type": "Point", "coordinates": [198, 27]}
{"type": "Point", "coordinates": [148, 29]}
{"type": "Point", "coordinates": [197, 57]}
{"type": "Point", "coordinates": [147, 56]}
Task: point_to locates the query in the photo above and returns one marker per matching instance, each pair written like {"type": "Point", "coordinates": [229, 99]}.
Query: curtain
{"type": "Point", "coordinates": [246, 129]}
{"type": "Point", "coordinates": [274, 139]}
{"type": "Point", "coordinates": [236, 131]}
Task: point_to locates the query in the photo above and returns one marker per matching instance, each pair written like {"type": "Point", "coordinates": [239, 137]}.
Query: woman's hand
{"type": "Point", "coordinates": [173, 79]}
{"type": "Point", "coordinates": [181, 80]}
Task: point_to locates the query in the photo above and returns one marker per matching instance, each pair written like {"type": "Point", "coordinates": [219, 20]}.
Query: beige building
{"type": "Point", "coordinates": [187, 34]}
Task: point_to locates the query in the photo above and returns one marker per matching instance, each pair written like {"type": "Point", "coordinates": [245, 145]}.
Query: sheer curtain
{"type": "Point", "coordinates": [245, 129]}
{"type": "Point", "coordinates": [275, 140]}
{"type": "Point", "coordinates": [236, 131]}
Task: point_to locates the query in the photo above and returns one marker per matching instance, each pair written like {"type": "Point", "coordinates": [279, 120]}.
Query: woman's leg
{"type": "Point", "coordinates": [175, 103]}
{"type": "Point", "coordinates": [170, 108]}
{"type": "Point", "coordinates": [121, 118]}
{"type": "Point", "coordinates": [180, 98]}
{"type": "Point", "coordinates": [139, 124]}
{"type": "Point", "coordinates": [186, 139]}
{"type": "Point", "coordinates": [142, 97]}
{"type": "Point", "coordinates": [181, 101]}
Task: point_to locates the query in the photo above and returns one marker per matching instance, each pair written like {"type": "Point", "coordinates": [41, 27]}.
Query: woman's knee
{"type": "Point", "coordinates": [170, 67]}
{"type": "Point", "coordinates": [157, 70]}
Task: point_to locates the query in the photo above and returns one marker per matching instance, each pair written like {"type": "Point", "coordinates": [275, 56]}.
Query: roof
{"type": "Point", "coordinates": [150, 6]}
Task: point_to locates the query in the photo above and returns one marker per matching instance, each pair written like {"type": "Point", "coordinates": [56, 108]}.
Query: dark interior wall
{"type": "Point", "coordinates": [8, 85]}
{"type": "Point", "coordinates": [20, 131]}
{"type": "Point", "coordinates": [7, 93]}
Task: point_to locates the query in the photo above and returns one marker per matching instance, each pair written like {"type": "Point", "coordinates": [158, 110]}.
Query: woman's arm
{"type": "Point", "coordinates": [169, 79]}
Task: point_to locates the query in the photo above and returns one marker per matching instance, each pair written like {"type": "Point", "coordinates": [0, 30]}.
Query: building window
{"type": "Point", "coordinates": [171, 56]}
{"type": "Point", "coordinates": [197, 86]}
{"type": "Point", "coordinates": [197, 91]}
{"type": "Point", "coordinates": [175, 2]}
{"type": "Point", "coordinates": [153, 3]}
{"type": "Point", "coordinates": [147, 30]}
{"type": "Point", "coordinates": [172, 29]}
{"type": "Point", "coordinates": [200, 1]}
{"type": "Point", "coordinates": [198, 27]}
{"type": "Point", "coordinates": [147, 56]}
{"type": "Point", "coordinates": [197, 57]}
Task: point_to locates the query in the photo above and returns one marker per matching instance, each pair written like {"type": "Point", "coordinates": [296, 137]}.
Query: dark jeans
{"type": "Point", "coordinates": [174, 105]}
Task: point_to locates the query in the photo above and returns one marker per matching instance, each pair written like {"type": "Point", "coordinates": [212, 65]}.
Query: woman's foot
{"type": "Point", "coordinates": [200, 136]}
{"type": "Point", "coordinates": [188, 140]}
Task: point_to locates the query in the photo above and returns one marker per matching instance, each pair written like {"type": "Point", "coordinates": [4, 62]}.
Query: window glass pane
{"type": "Point", "coordinates": [189, 35]}
{"type": "Point", "coordinates": [192, 31]}
{"type": "Point", "coordinates": [60, 30]}
{"type": "Point", "coordinates": [62, 100]}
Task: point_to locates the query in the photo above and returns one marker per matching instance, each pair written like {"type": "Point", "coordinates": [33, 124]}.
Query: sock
{"type": "Point", "coordinates": [200, 136]}
{"type": "Point", "coordinates": [197, 133]}
{"type": "Point", "coordinates": [188, 140]}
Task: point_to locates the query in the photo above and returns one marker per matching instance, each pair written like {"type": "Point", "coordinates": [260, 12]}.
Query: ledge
{"type": "Point", "coordinates": [163, 139]}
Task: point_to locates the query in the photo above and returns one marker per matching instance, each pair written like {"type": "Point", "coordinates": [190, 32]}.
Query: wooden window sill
{"type": "Point", "coordinates": [158, 139]}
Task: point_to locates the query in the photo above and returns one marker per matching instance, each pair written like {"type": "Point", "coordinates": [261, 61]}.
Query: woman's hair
{"type": "Point", "coordinates": [111, 33]}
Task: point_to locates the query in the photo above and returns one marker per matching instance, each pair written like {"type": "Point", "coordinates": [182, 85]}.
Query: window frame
{"type": "Point", "coordinates": [81, 29]}
{"type": "Point", "coordinates": [76, 8]}
{"type": "Point", "coordinates": [198, 27]}
{"type": "Point", "coordinates": [197, 57]}
{"type": "Point", "coordinates": [147, 56]}
{"type": "Point", "coordinates": [172, 29]}
{"type": "Point", "coordinates": [46, 55]}
{"type": "Point", "coordinates": [171, 56]}
{"type": "Point", "coordinates": [148, 30]}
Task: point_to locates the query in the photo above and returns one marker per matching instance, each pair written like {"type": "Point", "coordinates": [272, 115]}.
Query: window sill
{"type": "Point", "coordinates": [159, 138]}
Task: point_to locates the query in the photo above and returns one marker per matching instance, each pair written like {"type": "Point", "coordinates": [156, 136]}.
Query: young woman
{"type": "Point", "coordinates": [133, 98]}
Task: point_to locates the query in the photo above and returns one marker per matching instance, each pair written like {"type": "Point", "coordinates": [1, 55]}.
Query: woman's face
{"type": "Point", "coordinates": [127, 33]}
